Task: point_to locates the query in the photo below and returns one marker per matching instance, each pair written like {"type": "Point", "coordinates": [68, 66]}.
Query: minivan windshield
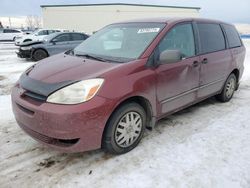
{"type": "Point", "coordinates": [119, 42]}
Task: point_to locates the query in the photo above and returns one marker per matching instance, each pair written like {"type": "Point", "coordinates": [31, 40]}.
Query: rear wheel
{"type": "Point", "coordinates": [124, 129]}
{"type": "Point", "coordinates": [228, 89]}
{"type": "Point", "coordinates": [39, 54]}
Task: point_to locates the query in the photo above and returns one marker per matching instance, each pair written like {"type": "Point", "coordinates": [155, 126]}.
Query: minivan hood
{"type": "Point", "coordinates": [62, 67]}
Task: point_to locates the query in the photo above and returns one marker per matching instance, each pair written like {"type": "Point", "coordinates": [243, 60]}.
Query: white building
{"type": "Point", "coordinates": [92, 17]}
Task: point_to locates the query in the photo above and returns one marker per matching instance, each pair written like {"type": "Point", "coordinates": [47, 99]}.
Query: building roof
{"type": "Point", "coordinates": [122, 4]}
{"type": "Point", "coordinates": [172, 20]}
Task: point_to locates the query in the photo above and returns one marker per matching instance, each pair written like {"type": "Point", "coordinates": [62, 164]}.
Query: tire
{"type": "Point", "coordinates": [228, 89]}
{"type": "Point", "coordinates": [39, 54]}
{"type": "Point", "coordinates": [122, 135]}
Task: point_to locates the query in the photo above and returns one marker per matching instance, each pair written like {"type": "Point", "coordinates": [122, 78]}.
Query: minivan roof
{"type": "Point", "coordinates": [172, 20]}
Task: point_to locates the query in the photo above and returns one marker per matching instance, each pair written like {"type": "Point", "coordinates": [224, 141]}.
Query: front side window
{"type": "Point", "coordinates": [211, 37]}
{"type": "Point", "coordinates": [51, 31]}
{"type": "Point", "coordinates": [62, 38]}
{"type": "Point", "coordinates": [120, 42]}
{"type": "Point", "coordinates": [181, 38]}
{"type": "Point", "coordinates": [43, 32]}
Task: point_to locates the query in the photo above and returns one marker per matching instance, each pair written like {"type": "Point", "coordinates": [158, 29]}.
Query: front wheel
{"type": "Point", "coordinates": [39, 55]}
{"type": "Point", "coordinates": [124, 129]}
{"type": "Point", "coordinates": [228, 89]}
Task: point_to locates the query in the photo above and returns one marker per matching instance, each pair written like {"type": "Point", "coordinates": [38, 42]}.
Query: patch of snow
{"type": "Point", "coordinates": [206, 145]}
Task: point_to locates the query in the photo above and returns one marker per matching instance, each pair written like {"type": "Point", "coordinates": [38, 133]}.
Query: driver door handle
{"type": "Point", "coordinates": [195, 63]}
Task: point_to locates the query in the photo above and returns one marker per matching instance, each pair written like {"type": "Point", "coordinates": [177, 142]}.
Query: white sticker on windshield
{"type": "Point", "coordinates": [149, 30]}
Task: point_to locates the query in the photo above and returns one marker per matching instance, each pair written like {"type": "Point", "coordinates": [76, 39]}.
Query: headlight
{"type": "Point", "coordinates": [76, 93]}
{"type": "Point", "coordinates": [26, 48]}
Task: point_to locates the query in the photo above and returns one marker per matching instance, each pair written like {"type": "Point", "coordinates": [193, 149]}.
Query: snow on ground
{"type": "Point", "coordinates": [206, 145]}
{"type": "Point", "coordinates": [243, 28]}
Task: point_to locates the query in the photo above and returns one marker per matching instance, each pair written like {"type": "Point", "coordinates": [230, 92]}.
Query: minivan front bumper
{"type": "Point", "coordinates": [68, 128]}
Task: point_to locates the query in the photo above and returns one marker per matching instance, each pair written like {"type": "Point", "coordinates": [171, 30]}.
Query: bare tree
{"type": "Point", "coordinates": [37, 21]}
{"type": "Point", "coordinates": [29, 21]}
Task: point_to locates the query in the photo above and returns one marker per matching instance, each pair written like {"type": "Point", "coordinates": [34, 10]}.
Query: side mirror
{"type": "Point", "coordinates": [170, 56]}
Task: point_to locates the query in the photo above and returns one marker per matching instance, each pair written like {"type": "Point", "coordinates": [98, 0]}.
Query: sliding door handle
{"type": "Point", "coordinates": [204, 61]}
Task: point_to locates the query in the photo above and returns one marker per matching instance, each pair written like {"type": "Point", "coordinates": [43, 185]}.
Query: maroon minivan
{"type": "Point", "coordinates": [124, 78]}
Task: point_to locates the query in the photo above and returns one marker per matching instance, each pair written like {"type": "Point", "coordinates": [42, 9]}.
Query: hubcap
{"type": "Point", "coordinates": [128, 129]}
{"type": "Point", "coordinates": [230, 87]}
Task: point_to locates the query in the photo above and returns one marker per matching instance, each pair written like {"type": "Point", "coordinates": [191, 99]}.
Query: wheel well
{"type": "Point", "coordinates": [144, 103]}
{"type": "Point", "coordinates": [236, 72]}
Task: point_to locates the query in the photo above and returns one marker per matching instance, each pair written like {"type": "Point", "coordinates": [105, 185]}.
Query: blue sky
{"type": "Point", "coordinates": [226, 10]}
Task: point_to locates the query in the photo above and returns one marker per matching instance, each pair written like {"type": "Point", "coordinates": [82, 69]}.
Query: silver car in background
{"type": "Point", "coordinates": [51, 45]}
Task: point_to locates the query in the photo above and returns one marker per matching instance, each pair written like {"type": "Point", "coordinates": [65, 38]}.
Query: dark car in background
{"type": "Point", "coordinates": [51, 45]}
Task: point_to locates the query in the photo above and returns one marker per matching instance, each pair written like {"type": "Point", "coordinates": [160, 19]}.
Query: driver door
{"type": "Point", "coordinates": [178, 82]}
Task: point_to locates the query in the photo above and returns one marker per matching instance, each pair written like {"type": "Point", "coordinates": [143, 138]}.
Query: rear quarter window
{"type": "Point", "coordinates": [77, 36]}
{"type": "Point", "coordinates": [232, 36]}
{"type": "Point", "coordinates": [211, 38]}
{"type": "Point", "coordinates": [43, 32]}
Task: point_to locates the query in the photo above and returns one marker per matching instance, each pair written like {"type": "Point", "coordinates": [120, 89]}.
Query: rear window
{"type": "Point", "coordinates": [11, 31]}
{"type": "Point", "coordinates": [51, 31]}
{"type": "Point", "coordinates": [77, 36]}
{"type": "Point", "coordinates": [211, 37]}
{"type": "Point", "coordinates": [232, 36]}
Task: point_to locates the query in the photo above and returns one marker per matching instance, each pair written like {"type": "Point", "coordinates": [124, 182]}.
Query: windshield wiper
{"type": "Point", "coordinates": [91, 57]}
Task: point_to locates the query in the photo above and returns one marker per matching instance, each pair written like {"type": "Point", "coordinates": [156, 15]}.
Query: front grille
{"type": "Point", "coordinates": [49, 140]}
{"type": "Point", "coordinates": [34, 96]}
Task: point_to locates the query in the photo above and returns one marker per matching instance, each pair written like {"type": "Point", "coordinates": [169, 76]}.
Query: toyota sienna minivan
{"type": "Point", "coordinates": [123, 79]}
